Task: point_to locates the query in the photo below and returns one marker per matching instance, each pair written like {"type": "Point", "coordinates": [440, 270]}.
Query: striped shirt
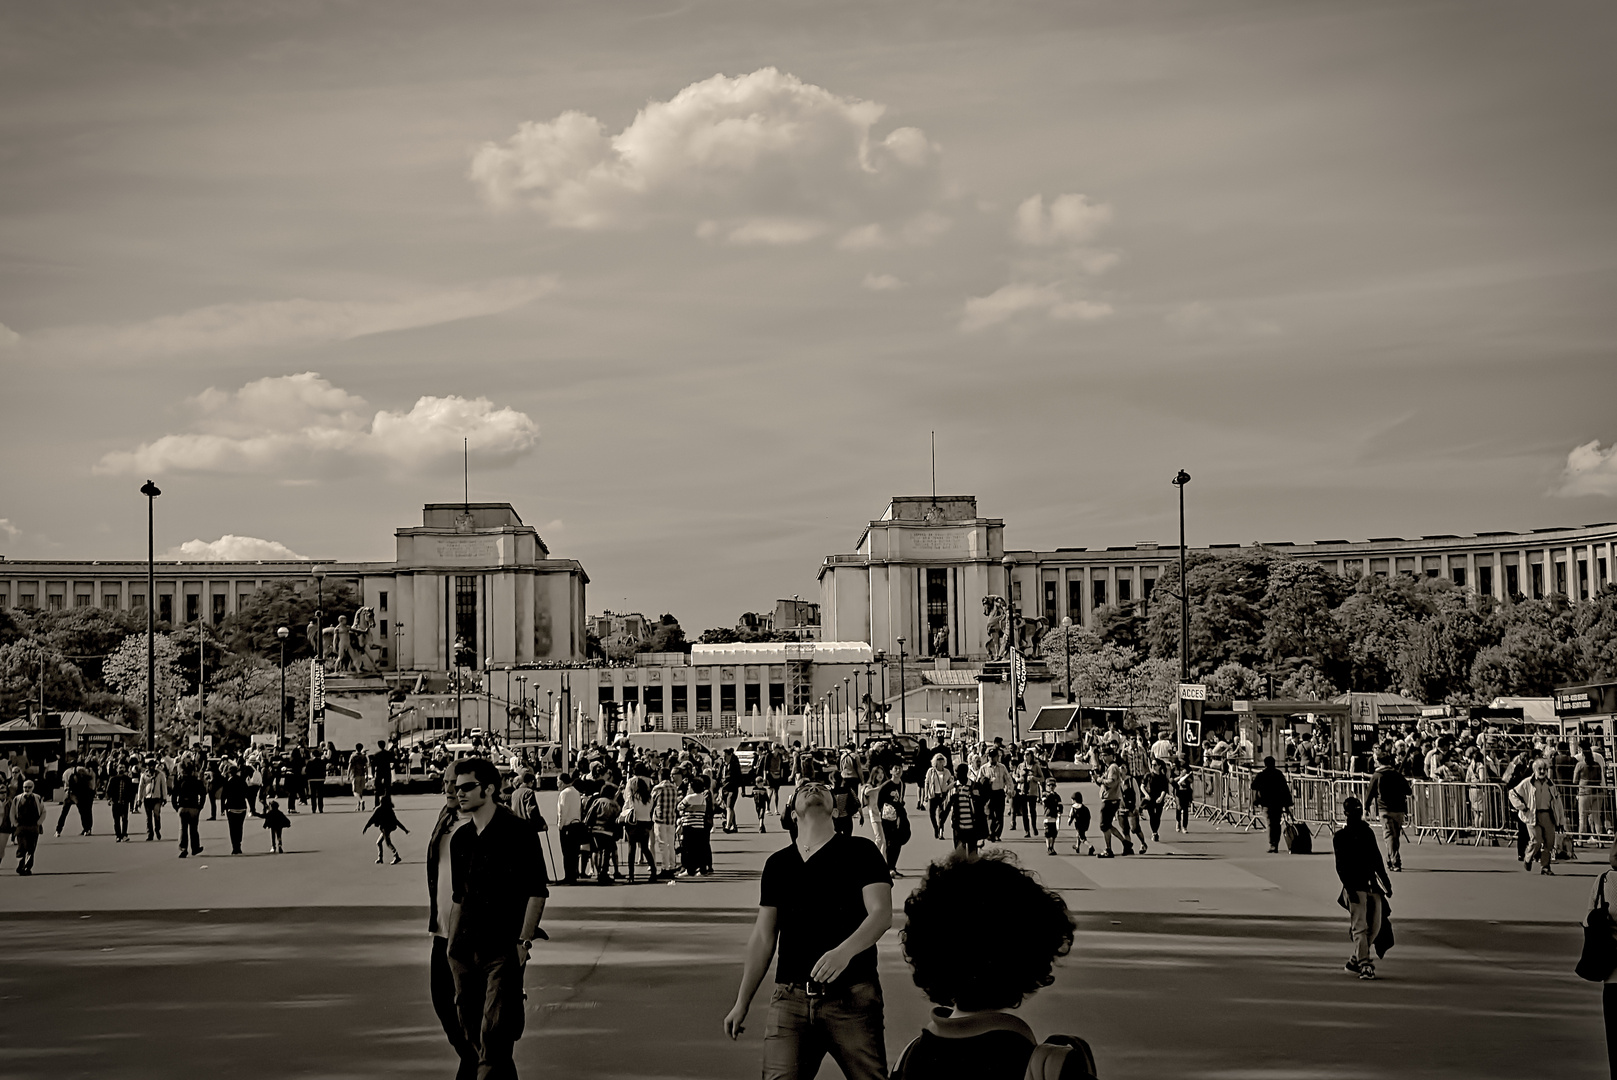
{"type": "Point", "coordinates": [693, 810]}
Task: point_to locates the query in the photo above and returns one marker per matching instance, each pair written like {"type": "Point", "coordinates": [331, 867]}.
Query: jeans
{"type": "Point", "coordinates": [488, 1001]}
{"type": "Point", "coordinates": [317, 796]}
{"type": "Point", "coordinates": [442, 982]}
{"type": "Point", "coordinates": [846, 1023]}
{"type": "Point", "coordinates": [188, 829]}
{"type": "Point", "coordinates": [1364, 921]}
{"type": "Point", "coordinates": [572, 843]}
{"type": "Point", "coordinates": [1181, 814]}
{"type": "Point", "coordinates": [1392, 821]}
{"type": "Point", "coordinates": [235, 819]}
{"type": "Point", "coordinates": [154, 818]}
{"type": "Point", "coordinates": [1274, 813]}
{"type": "Point", "coordinates": [937, 810]}
{"type": "Point", "coordinates": [996, 814]}
{"type": "Point", "coordinates": [27, 843]}
{"type": "Point", "coordinates": [639, 837]}
{"type": "Point", "coordinates": [120, 819]}
{"type": "Point", "coordinates": [1541, 835]}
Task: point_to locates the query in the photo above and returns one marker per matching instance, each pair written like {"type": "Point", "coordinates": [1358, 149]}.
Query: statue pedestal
{"type": "Point", "coordinates": [356, 711]}
{"type": "Point", "coordinates": [995, 696]}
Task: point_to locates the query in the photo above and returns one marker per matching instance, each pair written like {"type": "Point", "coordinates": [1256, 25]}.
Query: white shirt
{"type": "Point", "coordinates": [1162, 749]}
{"type": "Point", "coordinates": [446, 884]}
{"type": "Point", "coordinates": [569, 810]}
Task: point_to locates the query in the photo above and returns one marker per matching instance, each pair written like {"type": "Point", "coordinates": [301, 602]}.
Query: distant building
{"type": "Point", "coordinates": [922, 569]}
{"type": "Point", "coordinates": [622, 630]}
{"type": "Point", "coordinates": [793, 614]}
{"type": "Point", "coordinates": [470, 571]}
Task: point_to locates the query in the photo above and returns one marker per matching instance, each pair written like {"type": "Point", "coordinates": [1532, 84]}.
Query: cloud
{"type": "Point", "coordinates": [763, 158]}
{"type": "Point", "coordinates": [1201, 318]}
{"type": "Point", "coordinates": [299, 424]}
{"type": "Point", "coordinates": [8, 337]}
{"type": "Point", "coordinates": [297, 322]}
{"type": "Point", "coordinates": [1590, 470]}
{"type": "Point", "coordinates": [1008, 301]}
{"type": "Point", "coordinates": [11, 531]}
{"type": "Point", "coordinates": [881, 282]}
{"type": "Point", "coordinates": [230, 548]}
{"type": "Point", "coordinates": [1069, 219]}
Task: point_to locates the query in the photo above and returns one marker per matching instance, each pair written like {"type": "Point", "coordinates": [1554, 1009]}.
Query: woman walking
{"type": "Point", "coordinates": [233, 800]}
{"type": "Point", "coordinates": [965, 814]}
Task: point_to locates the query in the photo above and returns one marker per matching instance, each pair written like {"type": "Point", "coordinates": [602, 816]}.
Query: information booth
{"type": "Point", "coordinates": [1588, 709]}
{"type": "Point", "coordinates": [1267, 723]}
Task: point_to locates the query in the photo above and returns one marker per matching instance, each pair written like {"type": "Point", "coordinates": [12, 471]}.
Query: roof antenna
{"type": "Point", "coordinates": [466, 472]}
{"type": "Point", "coordinates": [934, 468]}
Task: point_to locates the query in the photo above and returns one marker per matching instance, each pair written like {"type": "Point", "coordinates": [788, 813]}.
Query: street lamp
{"type": "Point", "coordinates": [151, 492]}
{"type": "Point", "coordinates": [850, 718]}
{"type": "Point", "coordinates": [1179, 482]}
{"type": "Point", "coordinates": [283, 633]}
{"type": "Point", "coordinates": [320, 644]}
{"type": "Point", "coordinates": [903, 719]}
{"type": "Point", "coordinates": [550, 714]}
{"type": "Point", "coordinates": [488, 691]}
{"type": "Point", "coordinates": [508, 703]}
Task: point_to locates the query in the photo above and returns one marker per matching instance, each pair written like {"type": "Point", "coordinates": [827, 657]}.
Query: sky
{"type": "Point", "coordinates": [698, 281]}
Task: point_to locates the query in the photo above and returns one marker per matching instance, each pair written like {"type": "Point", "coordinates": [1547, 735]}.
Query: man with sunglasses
{"type": "Point", "coordinates": [497, 899]}
{"type": "Point", "coordinates": [825, 899]}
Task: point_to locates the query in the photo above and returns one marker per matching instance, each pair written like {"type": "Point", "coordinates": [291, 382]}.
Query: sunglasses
{"type": "Point", "coordinates": [468, 787]}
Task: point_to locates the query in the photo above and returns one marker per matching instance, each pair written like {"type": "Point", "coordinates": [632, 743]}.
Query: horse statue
{"type": "Point", "coordinates": [999, 621]}
{"type": "Point", "coordinates": [360, 648]}
{"type": "Point", "coordinates": [1029, 633]}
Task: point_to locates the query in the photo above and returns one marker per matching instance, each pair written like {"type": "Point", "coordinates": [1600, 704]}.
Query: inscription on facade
{"type": "Point", "coordinates": [938, 541]}
{"type": "Point", "coordinates": [467, 550]}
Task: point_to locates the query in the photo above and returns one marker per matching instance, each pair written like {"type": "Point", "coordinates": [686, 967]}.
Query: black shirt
{"type": "Point", "coordinates": [493, 875]}
{"type": "Point", "coordinates": [819, 904]}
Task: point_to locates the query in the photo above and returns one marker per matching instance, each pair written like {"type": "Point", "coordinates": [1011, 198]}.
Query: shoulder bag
{"type": "Point", "coordinates": [1599, 957]}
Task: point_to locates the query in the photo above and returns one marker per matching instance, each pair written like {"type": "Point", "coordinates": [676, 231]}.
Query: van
{"type": "Point", "coordinates": [669, 740]}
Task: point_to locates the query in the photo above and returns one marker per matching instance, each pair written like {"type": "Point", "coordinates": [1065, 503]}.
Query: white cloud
{"type": "Point", "coordinates": [11, 531]}
{"type": "Point", "coordinates": [763, 158]}
{"type": "Point", "coordinates": [229, 548]}
{"type": "Point", "coordinates": [1008, 301]}
{"type": "Point", "coordinates": [302, 423]}
{"type": "Point", "coordinates": [1069, 219]}
{"type": "Point", "coordinates": [297, 322]}
{"type": "Point", "coordinates": [1590, 470]}
{"type": "Point", "coordinates": [881, 282]}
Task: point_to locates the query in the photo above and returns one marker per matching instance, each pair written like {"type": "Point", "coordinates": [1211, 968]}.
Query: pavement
{"type": "Point", "coordinates": [1205, 958]}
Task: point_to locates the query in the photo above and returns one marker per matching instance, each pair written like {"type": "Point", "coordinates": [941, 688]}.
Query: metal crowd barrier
{"type": "Point", "coordinates": [1448, 812]}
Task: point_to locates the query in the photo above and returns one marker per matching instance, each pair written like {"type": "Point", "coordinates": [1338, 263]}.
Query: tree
{"type": "Point", "coordinates": [1077, 641]}
{"type": "Point", "coordinates": [1435, 663]}
{"type": "Point", "coordinates": [1308, 683]}
{"type": "Point", "coordinates": [666, 636]}
{"type": "Point", "coordinates": [125, 673]}
{"type": "Point", "coordinates": [1235, 681]}
{"type": "Point", "coordinates": [282, 603]}
{"type": "Point", "coordinates": [719, 635]}
{"type": "Point", "coordinates": [1537, 650]}
{"type": "Point", "coordinates": [1298, 623]}
{"type": "Point", "coordinates": [1226, 610]}
{"type": "Point", "coordinates": [1123, 625]}
{"type": "Point", "coordinates": [23, 663]}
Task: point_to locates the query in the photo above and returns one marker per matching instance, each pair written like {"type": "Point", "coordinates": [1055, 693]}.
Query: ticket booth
{"type": "Point", "coordinates": [1588, 709]}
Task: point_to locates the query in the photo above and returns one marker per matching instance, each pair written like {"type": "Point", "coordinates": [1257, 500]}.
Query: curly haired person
{"type": "Point", "coordinates": [976, 979]}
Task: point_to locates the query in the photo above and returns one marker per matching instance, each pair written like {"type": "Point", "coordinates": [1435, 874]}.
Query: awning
{"type": "Point", "coordinates": [779, 652]}
{"type": "Point", "coordinates": [1055, 718]}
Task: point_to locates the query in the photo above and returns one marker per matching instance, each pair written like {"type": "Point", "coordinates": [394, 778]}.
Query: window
{"type": "Point", "coordinates": [137, 601]}
{"type": "Point", "coordinates": [466, 611]}
{"type": "Point", "coordinates": [1536, 572]}
{"type": "Point", "coordinates": [1560, 578]}
{"type": "Point", "coordinates": [1458, 574]}
{"type": "Point", "coordinates": [1485, 580]}
{"type": "Point", "coordinates": [704, 698]}
{"type": "Point", "coordinates": [1513, 581]}
{"type": "Point", "coordinates": [605, 695]}
{"type": "Point", "coordinates": [54, 601]}
{"type": "Point", "coordinates": [937, 613]}
{"type": "Point", "coordinates": [193, 607]}
{"type": "Point", "coordinates": [654, 699]}
{"type": "Point", "coordinates": [1051, 592]}
{"type": "Point", "coordinates": [109, 601]}
{"type": "Point", "coordinates": [1075, 601]}
{"type": "Point", "coordinates": [383, 626]}
{"type": "Point", "coordinates": [680, 695]}
{"type": "Point", "coordinates": [81, 599]}
{"type": "Point", "coordinates": [218, 608]}
{"type": "Point", "coordinates": [1016, 592]}
{"type": "Point", "coordinates": [1125, 590]}
{"type": "Point", "coordinates": [727, 698]}
{"type": "Point", "coordinates": [1583, 579]}
{"type": "Point", "coordinates": [777, 695]}
{"type": "Point", "coordinates": [1380, 567]}
{"type": "Point", "coordinates": [1098, 592]}
{"type": "Point", "coordinates": [381, 603]}
{"type": "Point", "coordinates": [754, 698]}
{"type": "Point", "coordinates": [165, 608]}
{"type": "Point", "coordinates": [1150, 587]}
{"type": "Point", "coordinates": [4, 597]}
{"type": "Point", "coordinates": [25, 600]}
{"type": "Point", "coordinates": [1603, 577]}
{"type": "Point", "coordinates": [1353, 567]}
{"type": "Point", "coordinates": [631, 696]}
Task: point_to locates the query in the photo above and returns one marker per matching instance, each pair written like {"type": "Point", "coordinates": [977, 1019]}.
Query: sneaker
{"type": "Point", "coordinates": [1528, 866]}
{"type": "Point", "coordinates": [1353, 965]}
{"type": "Point", "coordinates": [1106, 855]}
{"type": "Point", "coordinates": [182, 854]}
{"type": "Point", "coordinates": [1367, 971]}
{"type": "Point", "coordinates": [1142, 847]}
{"type": "Point", "coordinates": [1547, 871]}
{"type": "Point", "coordinates": [378, 860]}
{"type": "Point", "coordinates": [1128, 851]}
{"type": "Point", "coordinates": [1274, 851]}
{"type": "Point", "coordinates": [1155, 839]}
{"type": "Point", "coordinates": [397, 859]}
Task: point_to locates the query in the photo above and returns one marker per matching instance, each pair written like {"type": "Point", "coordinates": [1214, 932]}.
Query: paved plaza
{"type": "Point", "coordinates": [1205, 958]}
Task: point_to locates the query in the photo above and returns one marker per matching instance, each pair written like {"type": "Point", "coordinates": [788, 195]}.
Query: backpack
{"type": "Point", "coordinates": [1049, 1059]}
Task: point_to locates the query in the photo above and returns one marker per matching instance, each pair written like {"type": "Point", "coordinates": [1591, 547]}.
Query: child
{"type": "Point", "coordinates": [1079, 819]}
{"type": "Point", "coordinates": [972, 1033]}
{"type": "Point", "coordinates": [275, 821]}
{"type": "Point", "coordinates": [1052, 815]}
{"type": "Point", "coordinates": [385, 821]}
{"type": "Point", "coordinates": [761, 796]}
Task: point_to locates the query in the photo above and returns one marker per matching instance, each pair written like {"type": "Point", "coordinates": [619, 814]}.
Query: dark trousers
{"type": "Point", "coordinates": [1153, 813]}
{"type": "Point", "coordinates": [213, 804]}
{"type": "Point", "coordinates": [846, 1023]}
{"type": "Point", "coordinates": [62, 817]}
{"type": "Point", "coordinates": [188, 829]}
{"type": "Point", "coordinates": [996, 814]}
{"type": "Point", "coordinates": [317, 796]}
{"type": "Point", "coordinates": [572, 845]}
{"type": "Point", "coordinates": [488, 1001]}
{"type": "Point", "coordinates": [27, 843]}
{"type": "Point", "coordinates": [1274, 813]}
{"type": "Point", "coordinates": [235, 819]}
{"type": "Point", "coordinates": [937, 808]}
{"type": "Point", "coordinates": [86, 819]}
{"type": "Point", "coordinates": [120, 819]}
{"type": "Point", "coordinates": [154, 818]}
{"type": "Point", "coordinates": [1608, 1003]}
{"type": "Point", "coordinates": [443, 1003]}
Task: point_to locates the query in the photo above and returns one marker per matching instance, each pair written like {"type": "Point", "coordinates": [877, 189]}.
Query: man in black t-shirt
{"type": "Point", "coordinates": [826, 900]}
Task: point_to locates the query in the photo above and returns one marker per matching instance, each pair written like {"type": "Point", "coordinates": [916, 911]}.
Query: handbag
{"type": "Point", "coordinates": [1599, 957]}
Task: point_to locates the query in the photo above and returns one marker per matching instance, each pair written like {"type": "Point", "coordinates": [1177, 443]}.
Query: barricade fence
{"type": "Point", "coordinates": [1449, 812]}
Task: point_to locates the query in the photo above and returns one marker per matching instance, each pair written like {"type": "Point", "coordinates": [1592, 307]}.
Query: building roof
{"type": "Point", "coordinates": [778, 652]}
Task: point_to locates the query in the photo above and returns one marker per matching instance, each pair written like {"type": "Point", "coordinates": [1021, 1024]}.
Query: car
{"type": "Point", "coordinates": [1062, 766]}
{"type": "Point", "coordinates": [747, 753]}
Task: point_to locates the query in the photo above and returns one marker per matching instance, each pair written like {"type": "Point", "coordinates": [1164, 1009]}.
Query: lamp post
{"type": "Point", "coordinates": [522, 702]}
{"type": "Point", "coordinates": [320, 639]}
{"type": "Point", "coordinates": [550, 713]}
{"type": "Point", "coordinates": [850, 718]}
{"type": "Point", "coordinates": [1011, 633]}
{"type": "Point", "coordinates": [1179, 482]}
{"type": "Point", "coordinates": [202, 674]}
{"type": "Point", "coordinates": [283, 633]}
{"type": "Point", "coordinates": [903, 720]}
{"type": "Point", "coordinates": [151, 492]}
{"type": "Point", "coordinates": [508, 703]}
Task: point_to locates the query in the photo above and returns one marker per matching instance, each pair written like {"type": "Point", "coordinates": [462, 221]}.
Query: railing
{"type": "Point", "coordinates": [1448, 812]}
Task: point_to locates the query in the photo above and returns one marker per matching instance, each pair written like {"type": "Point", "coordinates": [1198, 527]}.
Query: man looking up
{"type": "Point", "coordinates": [498, 894]}
{"type": "Point", "coordinates": [826, 899]}
{"type": "Point", "coordinates": [439, 906]}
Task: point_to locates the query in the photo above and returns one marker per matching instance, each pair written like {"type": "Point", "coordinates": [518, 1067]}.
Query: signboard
{"type": "Point", "coordinates": [1193, 733]}
{"type": "Point", "coordinates": [262, 740]}
{"type": "Point", "coordinates": [1364, 736]}
{"type": "Point", "coordinates": [1191, 691]}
